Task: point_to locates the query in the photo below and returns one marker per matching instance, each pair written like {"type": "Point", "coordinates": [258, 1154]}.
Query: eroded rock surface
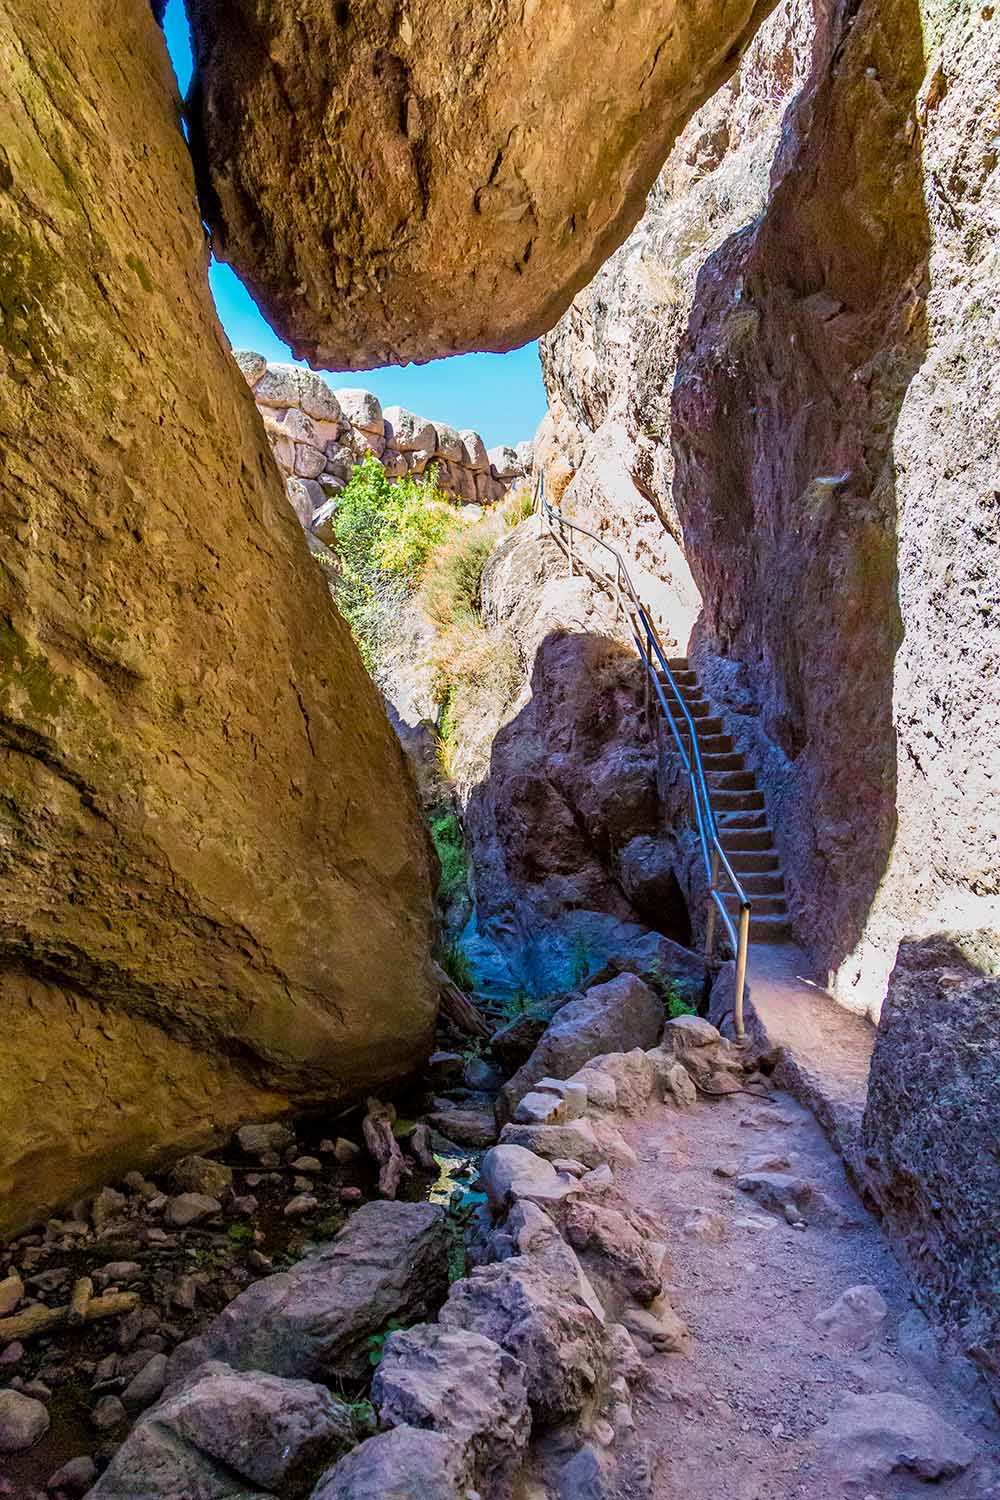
{"type": "Point", "coordinates": [777, 397]}
{"type": "Point", "coordinates": [314, 1321]}
{"type": "Point", "coordinates": [930, 1131]}
{"type": "Point", "coordinates": [403, 183]}
{"type": "Point", "coordinates": [203, 802]}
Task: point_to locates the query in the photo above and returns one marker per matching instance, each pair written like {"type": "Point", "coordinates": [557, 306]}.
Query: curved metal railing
{"type": "Point", "coordinates": [649, 646]}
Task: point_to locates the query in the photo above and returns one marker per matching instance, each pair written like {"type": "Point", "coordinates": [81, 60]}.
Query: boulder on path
{"type": "Point", "coordinates": [540, 1309]}
{"type": "Point", "coordinates": [389, 1261]}
{"type": "Point", "coordinates": [458, 1383]}
{"type": "Point", "coordinates": [592, 1142]}
{"type": "Point", "coordinates": [466, 1127]}
{"type": "Point", "coordinates": [611, 1017]}
{"type": "Point", "coordinates": [405, 1463]}
{"type": "Point", "coordinates": [871, 1437]}
{"type": "Point", "coordinates": [228, 1435]}
{"type": "Point", "coordinates": [854, 1320]}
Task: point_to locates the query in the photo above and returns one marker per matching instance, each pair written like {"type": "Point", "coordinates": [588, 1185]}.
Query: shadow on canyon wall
{"type": "Point", "coordinates": [572, 868]}
{"type": "Point", "coordinates": [805, 332]}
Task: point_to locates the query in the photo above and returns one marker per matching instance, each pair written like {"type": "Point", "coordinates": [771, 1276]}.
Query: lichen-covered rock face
{"type": "Point", "coordinates": [799, 348]}
{"type": "Point", "coordinates": [214, 890]}
{"type": "Point", "coordinates": [402, 182]}
{"type": "Point", "coordinates": [930, 1127]}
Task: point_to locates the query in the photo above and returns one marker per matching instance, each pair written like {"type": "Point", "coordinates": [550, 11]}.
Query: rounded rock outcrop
{"type": "Point", "coordinates": [404, 182]}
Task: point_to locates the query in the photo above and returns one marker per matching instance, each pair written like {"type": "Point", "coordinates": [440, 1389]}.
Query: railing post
{"type": "Point", "coordinates": [571, 552]}
{"type": "Point", "coordinates": [710, 921]}
{"type": "Point", "coordinates": [647, 653]}
{"type": "Point", "coordinates": [741, 971]}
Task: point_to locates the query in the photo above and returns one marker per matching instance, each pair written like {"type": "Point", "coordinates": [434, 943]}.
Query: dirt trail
{"type": "Point", "coordinates": [736, 1418]}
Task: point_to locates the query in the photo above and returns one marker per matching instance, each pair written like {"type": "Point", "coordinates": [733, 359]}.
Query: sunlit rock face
{"type": "Point", "coordinates": [398, 182]}
{"type": "Point", "coordinates": [790, 366]}
{"type": "Point", "coordinates": [214, 889]}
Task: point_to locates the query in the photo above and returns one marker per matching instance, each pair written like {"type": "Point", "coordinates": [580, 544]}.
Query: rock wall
{"type": "Point", "coordinates": [318, 434]}
{"type": "Point", "coordinates": [402, 182]}
{"type": "Point", "coordinates": [930, 1139]}
{"type": "Point", "coordinates": [814, 300]}
{"type": "Point", "coordinates": [215, 896]}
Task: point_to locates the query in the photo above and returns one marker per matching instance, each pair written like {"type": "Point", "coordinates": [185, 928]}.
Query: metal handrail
{"type": "Point", "coordinates": [649, 646]}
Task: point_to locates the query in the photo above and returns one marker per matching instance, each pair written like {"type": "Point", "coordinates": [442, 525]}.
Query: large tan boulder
{"type": "Point", "coordinates": [402, 182]}
{"type": "Point", "coordinates": [214, 893]}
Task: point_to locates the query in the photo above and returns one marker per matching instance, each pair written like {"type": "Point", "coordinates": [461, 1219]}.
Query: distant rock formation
{"type": "Point", "coordinates": [318, 434]}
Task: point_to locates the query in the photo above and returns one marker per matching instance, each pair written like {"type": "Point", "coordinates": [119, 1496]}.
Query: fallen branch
{"type": "Point", "coordinates": [35, 1320]}
{"type": "Point", "coordinates": [457, 1006]}
{"type": "Point", "coordinates": [383, 1145]}
{"type": "Point", "coordinates": [80, 1299]}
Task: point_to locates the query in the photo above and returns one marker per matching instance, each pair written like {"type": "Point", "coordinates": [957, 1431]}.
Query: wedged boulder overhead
{"type": "Point", "coordinates": [214, 892]}
{"type": "Point", "coordinates": [403, 182]}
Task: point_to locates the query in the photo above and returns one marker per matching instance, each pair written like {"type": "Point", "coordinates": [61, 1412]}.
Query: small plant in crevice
{"type": "Point", "coordinates": [376, 1341]}
{"type": "Point", "coordinates": [676, 1002]}
{"type": "Point", "coordinates": [456, 965]}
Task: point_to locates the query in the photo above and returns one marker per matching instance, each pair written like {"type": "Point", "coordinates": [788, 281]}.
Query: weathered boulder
{"type": "Point", "coordinates": [871, 1437]}
{"type": "Point", "coordinates": [464, 1386]}
{"type": "Point", "coordinates": [228, 1435]}
{"type": "Point", "coordinates": [204, 803]}
{"type": "Point", "coordinates": [930, 1130]}
{"type": "Point", "coordinates": [446, 226]}
{"type": "Point", "coordinates": [531, 1305]}
{"type": "Point", "coordinates": [855, 1319]}
{"type": "Point", "coordinates": [398, 1465]}
{"type": "Point", "coordinates": [198, 1174]}
{"type": "Point", "coordinates": [23, 1420]}
{"type": "Point", "coordinates": [313, 1321]}
{"type": "Point", "coordinates": [620, 1014]}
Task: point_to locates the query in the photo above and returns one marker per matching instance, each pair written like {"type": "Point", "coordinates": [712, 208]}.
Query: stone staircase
{"type": "Point", "coordinates": [739, 808]}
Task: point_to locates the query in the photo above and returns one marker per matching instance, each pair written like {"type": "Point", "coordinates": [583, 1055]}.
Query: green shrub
{"type": "Point", "coordinates": [384, 532]}
{"type": "Point", "coordinates": [676, 1002]}
{"type": "Point", "coordinates": [446, 836]}
{"type": "Point", "coordinates": [451, 588]}
{"type": "Point", "coordinates": [456, 966]}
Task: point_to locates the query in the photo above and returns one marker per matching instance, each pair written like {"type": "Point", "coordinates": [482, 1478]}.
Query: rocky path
{"type": "Point", "coordinates": [743, 1414]}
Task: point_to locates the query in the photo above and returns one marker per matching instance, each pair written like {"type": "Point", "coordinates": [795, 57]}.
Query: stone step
{"type": "Point", "coordinates": [746, 838]}
{"type": "Point", "coordinates": [677, 663]}
{"type": "Point", "coordinates": [715, 744]}
{"type": "Point", "coordinates": [704, 727]}
{"type": "Point", "coordinates": [761, 906]}
{"type": "Point", "coordinates": [753, 861]}
{"type": "Point", "coordinates": [737, 820]}
{"type": "Point", "coordinates": [728, 760]}
{"type": "Point", "coordinates": [769, 883]}
{"type": "Point", "coordinates": [683, 677]}
{"type": "Point", "coordinates": [769, 929]}
{"type": "Point", "coordinates": [732, 781]}
{"type": "Point", "coordinates": [698, 708]}
{"type": "Point", "coordinates": [737, 801]}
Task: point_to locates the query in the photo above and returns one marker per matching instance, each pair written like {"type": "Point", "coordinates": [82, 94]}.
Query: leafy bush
{"type": "Point", "coordinates": [446, 835]}
{"type": "Point", "coordinates": [384, 532]}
